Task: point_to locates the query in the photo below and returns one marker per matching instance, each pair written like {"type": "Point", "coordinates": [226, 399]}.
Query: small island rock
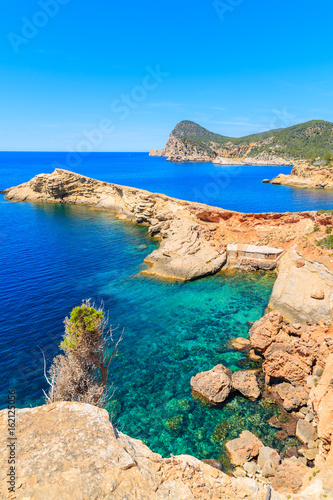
{"type": "Point", "coordinates": [214, 385]}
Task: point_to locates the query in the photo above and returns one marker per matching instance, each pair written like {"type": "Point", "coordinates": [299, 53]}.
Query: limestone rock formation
{"type": "Point", "coordinates": [245, 381]}
{"type": "Point", "coordinates": [268, 461]}
{"type": "Point", "coordinates": [71, 451]}
{"type": "Point", "coordinates": [289, 476]}
{"type": "Point", "coordinates": [306, 432]}
{"type": "Point", "coordinates": [264, 331]}
{"type": "Point", "coordinates": [244, 448]}
{"type": "Point", "coordinates": [194, 238]}
{"type": "Point", "coordinates": [214, 385]}
{"type": "Point", "coordinates": [185, 251]}
{"type": "Point", "coordinates": [304, 175]}
{"type": "Point", "coordinates": [293, 397]}
{"type": "Point", "coordinates": [295, 286]}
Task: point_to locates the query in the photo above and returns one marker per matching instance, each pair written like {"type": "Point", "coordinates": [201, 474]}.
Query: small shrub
{"type": "Point", "coordinates": [328, 230]}
{"type": "Point", "coordinates": [326, 242]}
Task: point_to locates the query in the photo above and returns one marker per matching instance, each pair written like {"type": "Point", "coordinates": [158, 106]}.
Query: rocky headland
{"type": "Point", "coordinates": [197, 240]}
{"type": "Point", "coordinates": [307, 142]}
{"type": "Point", "coordinates": [304, 175]}
{"type": "Point", "coordinates": [88, 458]}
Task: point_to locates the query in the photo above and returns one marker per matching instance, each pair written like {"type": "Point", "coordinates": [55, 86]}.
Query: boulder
{"type": "Point", "coordinates": [290, 361]}
{"type": "Point", "coordinates": [251, 468]}
{"type": "Point", "coordinates": [245, 381]}
{"type": "Point", "coordinates": [244, 448]}
{"type": "Point", "coordinates": [293, 396]}
{"type": "Point", "coordinates": [268, 461]}
{"type": "Point", "coordinates": [305, 431]}
{"type": "Point", "coordinates": [264, 331]}
{"type": "Point", "coordinates": [289, 476]}
{"type": "Point", "coordinates": [214, 385]}
{"type": "Point", "coordinates": [309, 454]}
{"type": "Point", "coordinates": [240, 344]}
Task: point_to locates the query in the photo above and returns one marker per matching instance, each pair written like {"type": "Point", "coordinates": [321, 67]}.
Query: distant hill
{"type": "Point", "coordinates": [306, 141]}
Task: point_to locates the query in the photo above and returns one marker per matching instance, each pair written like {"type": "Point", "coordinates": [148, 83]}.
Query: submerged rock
{"type": "Point", "coordinates": [221, 431]}
{"type": "Point", "coordinates": [214, 385]}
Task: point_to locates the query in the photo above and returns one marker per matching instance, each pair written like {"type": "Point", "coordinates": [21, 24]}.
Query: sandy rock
{"type": "Point", "coordinates": [245, 381]}
{"type": "Point", "coordinates": [293, 290]}
{"type": "Point", "coordinates": [306, 176]}
{"type": "Point", "coordinates": [289, 476]}
{"type": "Point", "coordinates": [318, 294]}
{"type": "Point", "coordinates": [240, 344]}
{"type": "Point", "coordinates": [244, 448]}
{"type": "Point", "coordinates": [214, 385]}
{"type": "Point", "coordinates": [305, 431]}
{"type": "Point", "coordinates": [81, 456]}
{"type": "Point", "coordinates": [293, 396]}
{"type": "Point", "coordinates": [309, 454]}
{"type": "Point", "coordinates": [253, 356]}
{"type": "Point", "coordinates": [268, 454]}
{"type": "Point", "coordinates": [291, 362]}
{"type": "Point", "coordinates": [264, 331]}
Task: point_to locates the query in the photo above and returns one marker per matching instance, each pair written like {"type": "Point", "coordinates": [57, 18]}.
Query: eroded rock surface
{"type": "Point", "coordinates": [245, 381]}
{"type": "Point", "coordinates": [304, 175]}
{"type": "Point", "coordinates": [71, 451]}
{"type": "Point", "coordinates": [214, 385]}
{"type": "Point", "coordinates": [244, 448]}
{"type": "Point", "coordinates": [302, 292]}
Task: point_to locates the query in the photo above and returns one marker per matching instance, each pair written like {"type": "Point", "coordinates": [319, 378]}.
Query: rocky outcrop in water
{"type": "Point", "coordinates": [197, 240]}
{"type": "Point", "coordinates": [304, 175]}
{"type": "Point", "coordinates": [186, 250]}
{"type": "Point", "coordinates": [213, 385]}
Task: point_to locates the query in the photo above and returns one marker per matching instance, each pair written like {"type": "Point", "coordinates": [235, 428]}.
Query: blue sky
{"type": "Point", "coordinates": [123, 74]}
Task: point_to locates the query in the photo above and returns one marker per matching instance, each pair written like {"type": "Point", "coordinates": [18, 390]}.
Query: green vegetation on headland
{"type": "Point", "coordinates": [308, 141]}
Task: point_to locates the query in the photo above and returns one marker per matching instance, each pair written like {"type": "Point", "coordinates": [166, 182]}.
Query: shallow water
{"type": "Point", "coordinates": [53, 256]}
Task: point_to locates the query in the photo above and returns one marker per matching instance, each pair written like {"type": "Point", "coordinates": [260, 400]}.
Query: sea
{"type": "Point", "coordinates": [54, 256]}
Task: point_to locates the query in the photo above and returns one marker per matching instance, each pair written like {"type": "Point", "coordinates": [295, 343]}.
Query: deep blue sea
{"type": "Point", "coordinates": [54, 256]}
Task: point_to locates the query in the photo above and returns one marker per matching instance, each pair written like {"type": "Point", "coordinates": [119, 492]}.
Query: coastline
{"type": "Point", "coordinates": [197, 240]}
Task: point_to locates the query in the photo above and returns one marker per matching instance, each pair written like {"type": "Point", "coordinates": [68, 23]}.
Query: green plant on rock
{"type": "Point", "coordinates": [81, 373]}
{"type": "Point", "coordinates": [326, 242]}
{"type": "Point", "coordinates": [328, 230]}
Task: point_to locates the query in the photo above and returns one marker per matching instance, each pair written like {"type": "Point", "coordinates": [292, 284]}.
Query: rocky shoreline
{"type": "Point", "coordinates": [294, 341]}
{"type": "Point", "coordinates": [298, 367]}
{"type": "Point", "coordinates": [304, 175]}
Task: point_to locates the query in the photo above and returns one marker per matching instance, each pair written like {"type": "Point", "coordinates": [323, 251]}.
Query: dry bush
{"type": "Point", "coordinates": [81, 373]}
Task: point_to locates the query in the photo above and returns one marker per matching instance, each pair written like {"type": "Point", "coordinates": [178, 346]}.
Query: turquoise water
{"type": "Point", "coordinates": [53, 256]}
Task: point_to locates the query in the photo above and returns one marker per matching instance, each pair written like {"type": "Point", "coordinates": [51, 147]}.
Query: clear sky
{"type": "Point", "coordinates": [124, 73]}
